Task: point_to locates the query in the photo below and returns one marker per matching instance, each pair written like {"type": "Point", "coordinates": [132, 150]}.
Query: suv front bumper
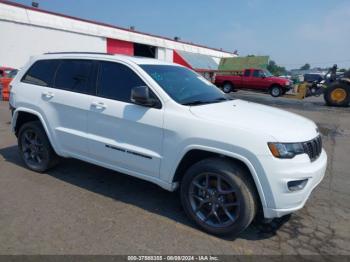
{"type": "Point", "coordinates": [281, 171]}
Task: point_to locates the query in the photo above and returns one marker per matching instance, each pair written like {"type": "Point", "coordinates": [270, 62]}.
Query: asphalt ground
{"type": "Point", "coordinates": [79, 208]}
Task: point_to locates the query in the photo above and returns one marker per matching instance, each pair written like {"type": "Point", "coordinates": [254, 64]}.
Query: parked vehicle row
{"type": "Point", "coordinates": [166, 124]}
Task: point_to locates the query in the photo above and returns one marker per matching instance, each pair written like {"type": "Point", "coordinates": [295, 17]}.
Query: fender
{"type": "Point", "coordinates": [252, 168]}
{"type": "Point", "coordinates": [33, 112]}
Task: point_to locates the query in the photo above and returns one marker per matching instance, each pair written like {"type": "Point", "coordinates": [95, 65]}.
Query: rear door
{"type": "Point", "coordinates": [66, 103]}
{"type": "Point", "coordinates": [123, 135]}
{"type": "Point", "coordinates": [38, 79]}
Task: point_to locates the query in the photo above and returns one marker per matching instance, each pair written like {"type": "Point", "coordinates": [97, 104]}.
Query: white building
{"type": "Point", "coordinates": [27, 31]}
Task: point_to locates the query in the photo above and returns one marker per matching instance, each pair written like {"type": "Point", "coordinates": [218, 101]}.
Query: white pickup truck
{"type": "Point", "coordinates": [166, 124]}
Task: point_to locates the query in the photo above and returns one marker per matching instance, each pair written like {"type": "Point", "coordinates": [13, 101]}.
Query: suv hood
{"type": "Point", "coordinates": [260, 119]}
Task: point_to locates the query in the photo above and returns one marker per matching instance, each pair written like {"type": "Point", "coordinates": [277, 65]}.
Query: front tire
{"type": "Point", "coordinates": [35, 148]}
{"type": "Point", "coordinates": [219, 196]}
{"type": "Point", "coordinates": [276, 91]}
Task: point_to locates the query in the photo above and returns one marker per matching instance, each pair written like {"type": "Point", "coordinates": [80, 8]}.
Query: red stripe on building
{"type": "Point", "coordinates": [178, 59]}
{"type": "Point", "coordinates": [115, 46]}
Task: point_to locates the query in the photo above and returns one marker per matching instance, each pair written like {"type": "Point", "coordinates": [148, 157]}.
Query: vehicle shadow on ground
{"type": "Point", "coordinates": [133, 191]}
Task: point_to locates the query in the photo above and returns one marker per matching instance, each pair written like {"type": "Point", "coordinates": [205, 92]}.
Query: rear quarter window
{"type": "Point", "coordinates": [41, 73]}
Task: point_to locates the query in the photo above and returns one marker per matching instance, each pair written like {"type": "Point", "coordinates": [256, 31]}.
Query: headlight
{"type": "Point", "coordinates": [286, 150]}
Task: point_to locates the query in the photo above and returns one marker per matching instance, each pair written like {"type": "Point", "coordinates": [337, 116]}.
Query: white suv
{"type": "Point", "coordinates": [166, 124]}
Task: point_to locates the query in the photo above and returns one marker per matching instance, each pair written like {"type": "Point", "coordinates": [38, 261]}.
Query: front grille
{"type": "Point", "coordinates": [313, 148]}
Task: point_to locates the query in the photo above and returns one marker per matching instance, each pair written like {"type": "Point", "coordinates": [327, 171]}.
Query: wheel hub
{"type": "Point", "coordinates": [338, 95]}
{"type": "Point", "coordinates": [32, 148]}
{"type": "Point", "coordinates": [212, 196]}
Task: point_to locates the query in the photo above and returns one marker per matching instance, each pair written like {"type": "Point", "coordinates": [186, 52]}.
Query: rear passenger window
{"type": "Point", "coordinates": [41, 73]}
{"type": "Point", "coordinates": [75, 75]}
{"type": "Point", "coordinates": [247, 73]}
{"type": "Point", "coordinates": [116, 81]}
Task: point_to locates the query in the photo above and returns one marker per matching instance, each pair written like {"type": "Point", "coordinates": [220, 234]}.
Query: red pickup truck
{"type": "Point", "coordinates": [253, 79]}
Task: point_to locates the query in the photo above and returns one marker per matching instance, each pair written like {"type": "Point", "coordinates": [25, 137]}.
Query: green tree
{"type": "Point", "coordinates": [305, 67]}
{"type": "Point", "coordinates": [276, 69]}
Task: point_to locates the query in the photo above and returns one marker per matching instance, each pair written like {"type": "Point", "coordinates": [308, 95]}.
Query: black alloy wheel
{"type": "Point", "coordinates": [35, 148]}
{"type": "Point", "coordinates": [219, 195]}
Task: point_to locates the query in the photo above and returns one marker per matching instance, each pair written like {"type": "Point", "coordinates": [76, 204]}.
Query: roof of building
{"type": "Point", "coordinates": [103, 56]}
{"type": "Point", "coordinates": [241, 63]}
{"type": "Point", "coordinates": [199, 61]}
{"type": "Point", "coordinates": [108, 25]}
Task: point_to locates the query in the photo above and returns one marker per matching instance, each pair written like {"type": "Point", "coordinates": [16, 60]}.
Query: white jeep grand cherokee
{"type": "Point", "coordinates": [166, 124]}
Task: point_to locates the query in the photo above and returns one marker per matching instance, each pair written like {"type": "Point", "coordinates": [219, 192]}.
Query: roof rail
{"type": "Point", "coordinates": [87, 53]}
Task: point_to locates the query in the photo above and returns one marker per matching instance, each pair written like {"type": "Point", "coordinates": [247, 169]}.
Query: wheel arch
{"type": "Point", "coordinates": [196, 154]}
{"type": "Point", "coordinates": [275, 84]}
{"type": "Point", "coordinates": [227, 82]}
{"type": "Point", "coordinates": [24, 115]}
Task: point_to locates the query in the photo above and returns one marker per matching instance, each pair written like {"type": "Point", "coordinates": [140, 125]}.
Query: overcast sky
{"type": "Point", "coordinates": [291, 32]}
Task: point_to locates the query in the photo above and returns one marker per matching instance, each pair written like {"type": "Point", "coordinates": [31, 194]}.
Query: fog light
{"type": "Point", "coordinates": [297, 185]}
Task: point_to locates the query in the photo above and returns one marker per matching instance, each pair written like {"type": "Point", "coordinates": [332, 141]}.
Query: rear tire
{"type": "Point", "coordinates": [225, 187]}
{"type": "Point", "coordinates": [35, 148]}
{"type": "Point", "coordinates": [276, 91]}
{"type": "Point", "coordinates": [227, 88]}
{"type": "Point", "coordinates": [337, 94]}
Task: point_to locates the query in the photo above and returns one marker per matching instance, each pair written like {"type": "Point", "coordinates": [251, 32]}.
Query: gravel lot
{"type": "Point", "coordinates": [78, 208]}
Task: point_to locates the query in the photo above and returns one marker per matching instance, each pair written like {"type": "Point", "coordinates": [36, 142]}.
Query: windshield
{"type": "Point", "coordinates": [267, 73]}
{"type": "Point", "coordinates": [183, 85]}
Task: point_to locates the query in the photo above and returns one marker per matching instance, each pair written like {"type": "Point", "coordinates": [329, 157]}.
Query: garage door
{"type": "Point", "coordinates": [120, 47]}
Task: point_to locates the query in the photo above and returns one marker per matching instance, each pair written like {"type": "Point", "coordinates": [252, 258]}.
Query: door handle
{"type": "Point", "coordinates": [48, 94]}
{"type": "Point", "coordinates": [98, 105]}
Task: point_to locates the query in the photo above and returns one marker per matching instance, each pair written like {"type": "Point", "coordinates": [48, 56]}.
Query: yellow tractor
{"type": "Point", "coordinates": [337, 93]}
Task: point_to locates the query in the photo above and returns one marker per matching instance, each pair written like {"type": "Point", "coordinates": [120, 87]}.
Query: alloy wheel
{"type": "Point", "coordinates": [32, 148]}
{"type": "Point", "coordinates": [214, 200]}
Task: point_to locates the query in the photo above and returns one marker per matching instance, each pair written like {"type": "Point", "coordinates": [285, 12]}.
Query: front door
{"type": "Point", "coordinates": [123, 135]}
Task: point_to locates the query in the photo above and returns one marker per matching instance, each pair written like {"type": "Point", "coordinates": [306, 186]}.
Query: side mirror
{"type": "Point", "coordinates": [141, 95]}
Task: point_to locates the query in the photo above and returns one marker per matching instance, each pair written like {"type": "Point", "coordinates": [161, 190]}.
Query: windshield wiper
{"type": "Point", "coordinates": [201, 102]}
{"type": "Point", "coordinates": [196, 102]}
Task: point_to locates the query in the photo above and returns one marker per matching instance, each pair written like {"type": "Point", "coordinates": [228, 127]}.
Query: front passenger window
{"type": "Point", "coordinates": [257, 73]}
{"type": "Point", "coordinates": [116, 81]}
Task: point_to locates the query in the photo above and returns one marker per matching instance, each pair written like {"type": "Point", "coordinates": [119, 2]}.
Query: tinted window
{"type": "Point", "coordinates": [257, 73]}
{"type": "Point", "coordinates": [41, 73]}
{"type": "Point", "coordinates": [116, 81]}
{"type": "Point", "coordinates": [74, 75]}
{"type": "Point", "coordinates": [247, 73]}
